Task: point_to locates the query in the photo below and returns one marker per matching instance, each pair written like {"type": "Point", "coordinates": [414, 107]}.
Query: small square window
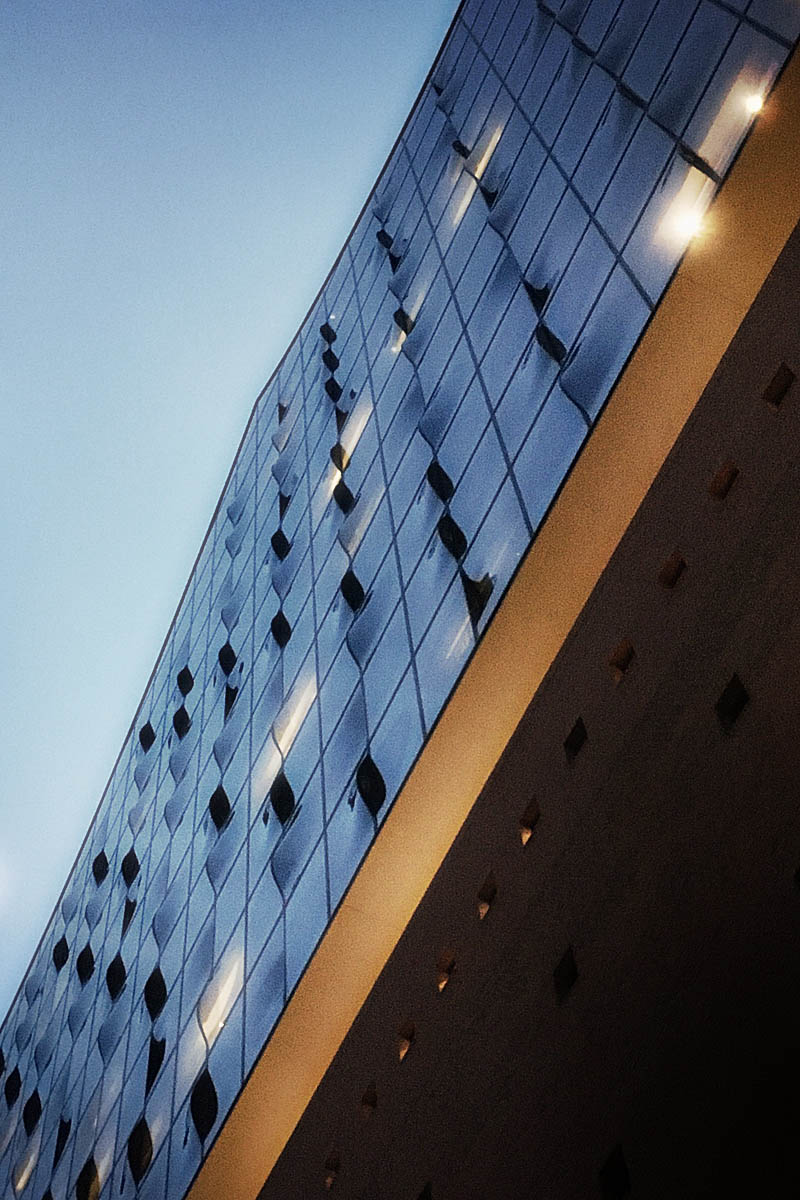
{"type": "Point", "coordinates": [724, 480]}
{"type": "Point", "coordinates": [778, 386]}
{"type": "Point", "coordinates": [575, 740]}
{"type": "Point", "coordinates": [731, 703]}
{"type": "Point", "coordinates": [672, 570]}
{"type": "Point", "coordinates": [565, 975]}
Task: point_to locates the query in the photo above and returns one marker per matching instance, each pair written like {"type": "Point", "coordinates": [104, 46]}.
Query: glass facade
{"type": "Point", "coordinates": [394, 471]}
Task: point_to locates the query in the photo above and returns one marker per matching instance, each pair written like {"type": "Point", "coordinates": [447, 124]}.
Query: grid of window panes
{"type": "Point", "coordinates": [394, 472]}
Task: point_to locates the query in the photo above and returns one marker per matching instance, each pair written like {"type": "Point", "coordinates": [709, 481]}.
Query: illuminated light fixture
{"type": "Point", "coordinates": [333, 1165]}
{"type": "Point", "coordinates": [294, 712]}
{"type": "Point", "coordinates": [754, 103]}
{"type": "Point", "coordinates": [487, 895]}
{"type": "Point", "coordinates": [405, 1039]}
{"type": "Point", "coordinates": [403, 321]}
{"type": "Point", "coordinates": [527, 822]}
{"type": "Point", "coordinates": [219, 996]}
{"type": "Point", "coordinates": [445, 965]}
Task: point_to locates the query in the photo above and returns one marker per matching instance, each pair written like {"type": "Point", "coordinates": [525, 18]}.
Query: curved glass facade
{"type": "Point", "coordinates": [394, 471]}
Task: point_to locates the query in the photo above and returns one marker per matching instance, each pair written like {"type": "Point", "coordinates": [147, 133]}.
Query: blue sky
{"type": "Point", "coordinates": [177, 180]}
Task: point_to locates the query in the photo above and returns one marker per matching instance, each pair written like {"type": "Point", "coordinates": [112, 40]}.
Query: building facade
{"type": "Point", "coordinates": [392, 480]}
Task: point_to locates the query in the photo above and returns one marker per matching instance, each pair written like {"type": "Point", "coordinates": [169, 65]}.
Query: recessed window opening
{"type": "Point", "coordinates": [550, 343]}
{"type": "Point", "coordinates": [281, 629]}
{"type": "Point", "coordinates": [445, 965]}
{"type": "Point", "coordinates": [280, 544]}
{"type": "Point", "coordinates": [341, 418]}
{"type": "Point", "coordinates": [84, 964]}
{"type": "Point", "coordinates": [230, 697]}
{"type": "Point", "coordinates": [461, 150]}
{"type": "Point", "coordinates": [31, 1112]}
{"type": "Point", "coordinates": [565, 976]}
{"type": "Point", "coordinates": [394, 260]}
{"type": "Point", "coordinates": [284, 501]}
{"type": "Point", "coordinates": [185, 681]}
{"type": "Point", "coordinates": [452, 536]}
{"type": "Point", "coordinates": [146, 736]}
{"type": "Point", "coordinates": [13, 1087]}
{"type": "Point", "coordinates": [613, 1176]}
{"type": "Point", "coordinates": [282, 411]}
{"type": "Point", "coordinates": [724, 480]}
{"type": "Point", "coordinates": [333, 1165]}
{"type": "Point", "coordinates": [155, 1057]}
{"type": "Point", "coordinates": [537, 295]}
{"type": "Point", "coordinates": [403, 321]}
{"type": "Point", "coordinates": [127, 915]}
{"type": "Point", "coordinates": [778, 386]}
{"type": "Point", "coordinates": [343, 497]}
{"type": "Point", "coordinates": [140, 1150]}
{"type": "Point", "coordinates": [370, 784]}
{"type": "Point", "coordinates": [116, 976]}
{"type": "Point", "coordinates": [339, 457]}
{"type": "Point", "coordinates": [100, 867]}
{"type": "Point", "coordinates": [528, 821]}
{"type": "Point", "coordinates": [369, 1101]}
{"type": "Point", "coordinates": [731, 703]}
{"type": "Point", "coordinates": [487, 894]}
{"type": "Point", "coordinates": [64, 1126]}
{"type": "Point", "coordinates": [405, 1038]}
{"type": "Point", "coordinates": [227, 658]}
{"type": "Point", "coordinates": [330, 360]}
{"type": "Point", "coordinates": [155, 993]}
{"type": "Point", "coordinates": [281, 797]}
{"type": "Point", "coordinates": [575, 740]}
{"type": "Point", "coordinates": [328, 334]}
{"type": "Point", "coordinates": [621, 660]}
{"type": "Point", "coordinates": [204, 1105]}
{"type": "Point", "coordinates": [477, 593]}
{"type": "Point", "coordinates": [384, 238]}
{"type": "Point", "coordinates": [440, 481]}
{"type": "Point", "coordinates": [2, 1062]}
{"type": "Point", "coordinates": [87, 1185]}
{"type": "Point", "coordinates": [60, 953]}
{"type": "Point", "coordinates": [219, 806]}
{"type": "Point", "coordinates": [490, 195]}
{"type": "Point", "coordinates": [130, 867]}
{"type": "Point", "coordinates": [181, 722]}
{"type": "Point", "coordinates": [426, 1193]}
{"type": "Point", "coordinates": [352, 590]}
{"type": "Point", "coordinates": [333, 389]}
{"type": "Point", "coordinates": [672, 570]}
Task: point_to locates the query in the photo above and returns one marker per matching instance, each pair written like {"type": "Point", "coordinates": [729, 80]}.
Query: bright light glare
{"type": "Point", "coordinates": [488, 152]}
{"type": "Point", "coordinates": [220, 995]}
{"type": "Point", "coordinates": [685, 217]}
{"type": "Point", "coordinates": [355, 426]}
{"type": "Point", "coordinates": [293, 713]}
{"type": "Point", "coordinates": [24, 1169]}
{"type": "Point", "coordinates": [754, 103]}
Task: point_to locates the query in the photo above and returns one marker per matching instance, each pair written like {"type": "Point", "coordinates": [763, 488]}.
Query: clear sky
{"type": "Point", "coordinates": [177, 178]}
